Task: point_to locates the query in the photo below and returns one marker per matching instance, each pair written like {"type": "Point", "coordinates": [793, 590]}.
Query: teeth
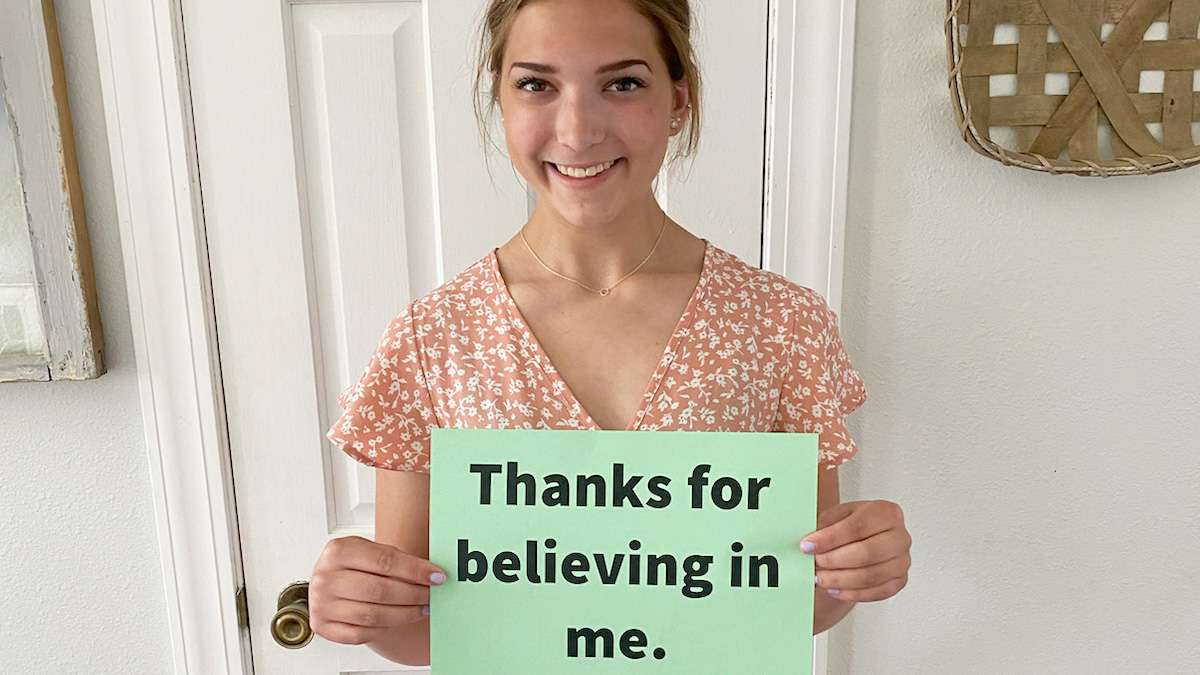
{"type": "Point", "coordinates": [584, 173]}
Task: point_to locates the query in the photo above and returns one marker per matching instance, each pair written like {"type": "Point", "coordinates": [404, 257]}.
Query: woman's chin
{"type": "Point", "coordinates": [591, 211]}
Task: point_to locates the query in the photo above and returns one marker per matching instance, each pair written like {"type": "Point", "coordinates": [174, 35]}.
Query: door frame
{"type": "Point", "coordinates": [147, 105]}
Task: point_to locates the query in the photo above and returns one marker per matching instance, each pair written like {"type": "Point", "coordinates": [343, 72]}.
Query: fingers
{"type": "Point", "coordinates": [853, 521]}
{"type": "Point", "coordinates": [366, 587]}
{"type": "Point", "coordinates": [881, 592]}
{"type": "Point", "coordinates": [370, 615]}
{"type": "Point", "coordinates": [864, 578]}
{"type": "Point", "coordinates": [870, 551]}
{"type": "Point", "coordinates": [348, 634]}
{"type": "Point", "coordinates": [361, 589]}
{"type": "Point", "coordinates": [382, 559]}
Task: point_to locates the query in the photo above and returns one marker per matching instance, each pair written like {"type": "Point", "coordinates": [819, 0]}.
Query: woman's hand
{"type": "Point", "coordinates": [861, 550]}
{"type": "Point", "coordinates": [362, 590]}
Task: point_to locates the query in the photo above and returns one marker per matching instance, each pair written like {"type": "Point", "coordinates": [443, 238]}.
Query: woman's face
{"type": "Point", "coordinates": [583, 84]}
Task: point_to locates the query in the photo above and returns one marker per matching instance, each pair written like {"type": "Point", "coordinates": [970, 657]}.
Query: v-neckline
{"type": "Point", "coordinates": [650, 391]}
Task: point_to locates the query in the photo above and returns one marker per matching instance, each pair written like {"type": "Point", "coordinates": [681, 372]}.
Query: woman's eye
{"type": "Point", "coordinates": [634, 80]}
{"type": "Point", "coordinates": [523, 82]}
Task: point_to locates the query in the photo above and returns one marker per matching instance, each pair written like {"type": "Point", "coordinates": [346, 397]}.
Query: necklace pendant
{"type": "Point", "coordinates": [604, 291]}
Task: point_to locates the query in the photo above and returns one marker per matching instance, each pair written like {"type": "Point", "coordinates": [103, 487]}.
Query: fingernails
{"type": "Point", "coordinates": [807, 546]}
{"type": "Point", "coordinates": [816, 580]}
{"type": "Point", "coordinates": [437, 578]}
{"type": "Point", "coordinates": [425, 610]}
{"type": "Point", "coordinates": [833, 591]}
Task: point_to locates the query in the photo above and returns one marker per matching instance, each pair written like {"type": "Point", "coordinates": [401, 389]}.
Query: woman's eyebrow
{"type": "Point", "coordinates": [618, 65]}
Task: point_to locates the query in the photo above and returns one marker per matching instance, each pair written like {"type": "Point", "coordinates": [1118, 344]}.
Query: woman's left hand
{"type": "Point", "coordinates": [861, 550]}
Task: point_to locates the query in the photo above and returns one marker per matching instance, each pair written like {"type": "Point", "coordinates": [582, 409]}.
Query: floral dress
{"type": "Point", "coordinates": [752, 351]}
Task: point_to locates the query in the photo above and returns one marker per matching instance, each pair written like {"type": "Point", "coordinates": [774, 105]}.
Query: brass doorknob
{"type": "Point", "coordinates": [290, 626]}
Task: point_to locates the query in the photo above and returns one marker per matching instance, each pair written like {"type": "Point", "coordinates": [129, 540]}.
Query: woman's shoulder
{"type": "Point", "coordinates": [468, 291]}
{"type": "Point", "coordinates": [741, 283]}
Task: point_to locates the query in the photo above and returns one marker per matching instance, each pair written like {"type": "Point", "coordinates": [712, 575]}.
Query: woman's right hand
{"type": "Point", "coordinates": [361, 590]}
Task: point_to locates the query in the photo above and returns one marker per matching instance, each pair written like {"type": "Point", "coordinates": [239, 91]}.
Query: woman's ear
{"type": "Point", "coordinates": [679, 105]}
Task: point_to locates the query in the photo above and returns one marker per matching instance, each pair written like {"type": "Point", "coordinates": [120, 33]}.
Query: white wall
{"type": "Point", "coordinates": [79, 570]}
{"type": "Point", "coordinates": [1031, 345]}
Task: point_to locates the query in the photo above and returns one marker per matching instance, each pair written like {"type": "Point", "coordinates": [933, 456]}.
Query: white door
{"type": "Point", "coordinates": [342, 175]}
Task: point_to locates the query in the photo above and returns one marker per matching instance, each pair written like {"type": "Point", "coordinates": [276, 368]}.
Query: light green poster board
{"type": "Point", "coordinates": [693, 568]}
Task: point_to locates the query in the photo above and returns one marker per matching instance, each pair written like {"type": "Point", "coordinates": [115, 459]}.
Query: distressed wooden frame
{"type": "Point", "coordinates": [31, 70]}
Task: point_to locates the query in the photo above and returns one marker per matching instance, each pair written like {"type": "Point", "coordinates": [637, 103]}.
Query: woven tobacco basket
{"type": "Point", "coordinates": [1063, 133]}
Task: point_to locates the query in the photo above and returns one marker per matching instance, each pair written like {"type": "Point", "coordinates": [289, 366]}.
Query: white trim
{"type": "Point", "coordinates": [810, 76]}
{"type": "Point", "coordinates": [155, 175]}
{"type": "Point", "coordinates": [143, 77]}
{"type": "Point", "coordinates": [810, 73]}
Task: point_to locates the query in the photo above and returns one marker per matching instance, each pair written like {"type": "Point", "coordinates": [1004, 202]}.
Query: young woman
{"type": "Point", "coordinates": [601, 313]}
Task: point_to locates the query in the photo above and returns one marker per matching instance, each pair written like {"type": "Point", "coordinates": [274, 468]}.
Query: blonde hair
{"type": "Point", "coordinates": [673, 18]}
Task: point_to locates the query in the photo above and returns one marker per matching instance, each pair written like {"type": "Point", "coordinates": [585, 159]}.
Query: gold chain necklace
{"type": "Point", "coordinates": [601, 291]}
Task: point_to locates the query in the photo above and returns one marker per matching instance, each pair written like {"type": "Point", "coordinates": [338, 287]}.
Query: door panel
{"type": "Point", "coordinates": [368, 189]}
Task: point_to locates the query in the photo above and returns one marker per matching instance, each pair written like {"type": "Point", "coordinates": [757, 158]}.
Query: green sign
{"type": "Point", "coordinates": [621, 552]}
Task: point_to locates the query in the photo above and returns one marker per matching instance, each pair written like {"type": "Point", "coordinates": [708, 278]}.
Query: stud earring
{"type": "Point", "coordinates": [675, 124]}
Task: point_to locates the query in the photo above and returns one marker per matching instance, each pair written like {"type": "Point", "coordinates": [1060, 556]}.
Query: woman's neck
{"type": "Point", "coordinates": [597, 254]}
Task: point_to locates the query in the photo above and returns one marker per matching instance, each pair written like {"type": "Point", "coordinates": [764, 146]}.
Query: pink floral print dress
{"type": "Point", "coordinates": [752, 351]}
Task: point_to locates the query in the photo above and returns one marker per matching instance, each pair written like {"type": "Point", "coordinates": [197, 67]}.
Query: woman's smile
{"type": "Point", "coordinates": [583, 177]}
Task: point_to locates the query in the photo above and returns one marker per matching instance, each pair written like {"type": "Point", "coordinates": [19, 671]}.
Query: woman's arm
{"type": "Point", "coordinates": [402, 520]}
{"type": "Point", "coordinates": [828, 610]}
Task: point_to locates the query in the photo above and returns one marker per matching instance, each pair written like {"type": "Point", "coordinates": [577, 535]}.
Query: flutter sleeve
{"type": "Point", "coordinates": [820, 387]}
{"type": "Point", "coordinates": [388, 413]}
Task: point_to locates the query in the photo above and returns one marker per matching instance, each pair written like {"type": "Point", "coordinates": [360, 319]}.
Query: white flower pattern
{"type": "Point", "coordinates": [753, 351]}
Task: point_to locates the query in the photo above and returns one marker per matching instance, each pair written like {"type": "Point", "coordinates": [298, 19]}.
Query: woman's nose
{"type": "Point", "coordinates": [579, 125]}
